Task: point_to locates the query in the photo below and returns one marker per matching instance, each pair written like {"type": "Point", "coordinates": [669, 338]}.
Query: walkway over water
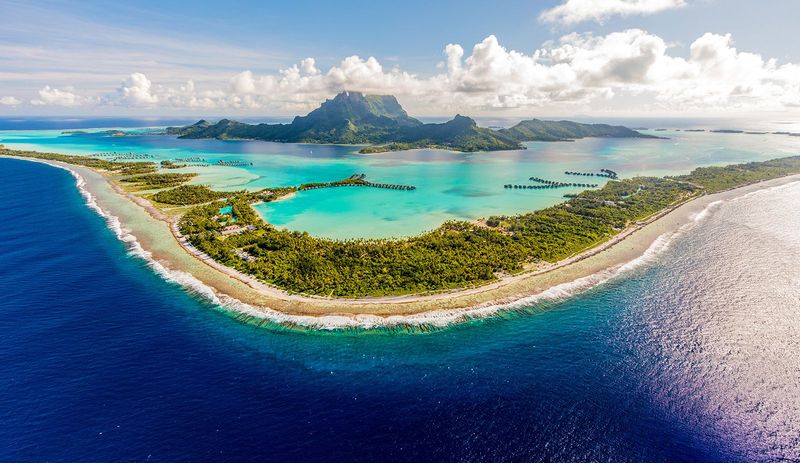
{"type": "Point", "coordinates": [603, 173]}
{"type": "Point", "coordinates": [448, 185]}
{"type": "Point", "coordinates": [355, 180]}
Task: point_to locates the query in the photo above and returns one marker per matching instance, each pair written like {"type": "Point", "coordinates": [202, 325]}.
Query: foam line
{"type": "Point", "coordinates": [434, 318]}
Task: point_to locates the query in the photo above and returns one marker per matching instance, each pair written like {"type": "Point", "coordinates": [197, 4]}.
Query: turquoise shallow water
{"type": "Point", "coordinates": [690, 357]}
{"type": "Point", "coordinates": [449, 185]}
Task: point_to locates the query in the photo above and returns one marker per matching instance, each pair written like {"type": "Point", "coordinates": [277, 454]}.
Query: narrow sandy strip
{"type": "Point", "coordinates": [403, 299]}
{"type": "Point", "coordinates": [150, 230]}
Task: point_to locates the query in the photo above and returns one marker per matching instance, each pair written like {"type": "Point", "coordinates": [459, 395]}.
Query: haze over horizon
{"type": "Point", "coordinates": [367, 231]}
{"type": "Point", "coordinates": [557, 58]}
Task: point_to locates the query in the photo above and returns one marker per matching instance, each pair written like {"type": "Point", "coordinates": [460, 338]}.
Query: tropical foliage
{"type": "Point", "coordinates": [379, 120]}
{"type": "Point", "coordinates": [159, 180]}
{"type": "Point", "coordinates": [188, 194]}
{"type": "Point", "coordinates": [455, 255]}
{"type": "Point", "coordinates": [123, 168]}
{"type": "Point", "coordinates": [720, 178]}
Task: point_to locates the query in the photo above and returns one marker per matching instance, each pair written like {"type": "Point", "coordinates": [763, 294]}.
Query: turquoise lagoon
{"type": "Point", "coordinates": [450, 185]}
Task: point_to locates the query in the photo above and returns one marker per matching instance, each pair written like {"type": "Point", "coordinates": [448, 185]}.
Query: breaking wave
{"type": "Point", "coordinates": [434, 318]}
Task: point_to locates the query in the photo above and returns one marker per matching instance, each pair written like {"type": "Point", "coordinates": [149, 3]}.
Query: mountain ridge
{"type": "Point", "coordinates": [540, 130]}
{"type": "Point", "coordinates": [380, 121]}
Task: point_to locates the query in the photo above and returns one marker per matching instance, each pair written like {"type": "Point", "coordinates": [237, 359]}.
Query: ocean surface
{"type": "Point", "coordinates": [690, 355]}
{"type": "Point", "coordinates": [462, 186]}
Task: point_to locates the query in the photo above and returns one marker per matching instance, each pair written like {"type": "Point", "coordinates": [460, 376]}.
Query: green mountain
{"type": "Point", "coordinates": [460, 134]}
{"type": "Point", "coordinates": [350, 117]}
{"type": "Point", "coordinates": [379, 120]}
{"type": "Point", "coordinates": [537, 130]}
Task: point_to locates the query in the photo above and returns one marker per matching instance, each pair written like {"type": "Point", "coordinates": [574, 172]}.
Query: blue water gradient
{"type": "Point", "coordinates": [102, 360]}
{"type": "Point", "coordinates": [460, 186]}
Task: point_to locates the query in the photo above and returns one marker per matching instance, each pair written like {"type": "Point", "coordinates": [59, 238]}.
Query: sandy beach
{"type": "Point", "coordinates": [149, 232]}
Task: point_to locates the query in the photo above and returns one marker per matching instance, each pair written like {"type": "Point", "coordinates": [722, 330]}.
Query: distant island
{"type": "Point", "coordinates": [380, 121]}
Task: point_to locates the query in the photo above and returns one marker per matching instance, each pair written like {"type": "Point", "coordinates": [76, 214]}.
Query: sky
{"type": "Point", "coordinates": [504, 58]}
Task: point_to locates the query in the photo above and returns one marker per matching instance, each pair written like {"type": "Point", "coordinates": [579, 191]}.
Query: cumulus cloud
{"type": "Point", "coordinates": [718, 75]}
{"type": "Point", "coordinates": [577, 72]}
{"type": "Point", "coordinates": [136, 90]}
{"type": "Point", "coordinates": [55, 97]}
{"type": "Point", "coordinates": [9, 101]}
{"type": "Point", "coordinates": [299, 84]}
{"type": "Point", "coordinates": [577, 11]}
{"type": "Point", "coordinates": [139, 91]}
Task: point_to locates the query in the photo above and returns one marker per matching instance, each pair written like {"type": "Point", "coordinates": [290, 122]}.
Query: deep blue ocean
{"type": "Point", "coordinates": [690, 357]}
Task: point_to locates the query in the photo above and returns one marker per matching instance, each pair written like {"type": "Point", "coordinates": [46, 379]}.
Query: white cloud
{"type": "Point", "coordinates": [577, 11]}
{"type": "Point", "coordinates": [94, 52]}
{"type": "Point", "coordinates": [9, 101]}
{"type": "Point", "coordinates": [55, 97]}
{"type": "Point", "coordinates": [629, 70]}
{"type": "Point", "coordinates": [186, 96]}
{"type": "Point", "coordinates": [300, 85]}
{"type": "Point", "coordinates": [137, 91]}
{"type": "Point", "coordinates": [578, 71]}
{"type": "Point", "coordinates": [718, 75]}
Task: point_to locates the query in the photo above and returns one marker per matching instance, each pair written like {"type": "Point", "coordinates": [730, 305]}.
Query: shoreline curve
{"type": "Point", "coordinates": [149, 235]}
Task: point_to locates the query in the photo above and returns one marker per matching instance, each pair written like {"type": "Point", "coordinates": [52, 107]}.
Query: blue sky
{"type": "Point", "coordinates": [641, 56]}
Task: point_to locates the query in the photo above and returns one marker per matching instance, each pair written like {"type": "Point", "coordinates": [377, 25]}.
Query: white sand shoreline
{"type": "Point", "coordinates": [165, 254]}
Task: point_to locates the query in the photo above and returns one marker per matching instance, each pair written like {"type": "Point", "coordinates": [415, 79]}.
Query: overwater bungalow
{"type": "Point", "coordinates": [609, 173]}
{"type": "Point", "coordinates": [234, 163]}
{"type": "Point", "coordinates": [390, 186]}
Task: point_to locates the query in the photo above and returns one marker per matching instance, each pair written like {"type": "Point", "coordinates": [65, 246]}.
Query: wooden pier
{"type": "Point", "coordinates": [603, 173]}
{"type": "Point", "coordinates": [356, 180]}
{"type": "Point", "coordinates": [550, 185]}
{"type": "Point", "coordinates": [234, 163]}
{"type": "Point", "coordinates": [547, 184]}
{"type": "Point", "coordinates": [129, 156]}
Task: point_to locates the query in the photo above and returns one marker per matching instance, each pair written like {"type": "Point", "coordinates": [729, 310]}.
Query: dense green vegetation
{"type": "Point", "coordinates": [266, 195]}
{"type": "Point", "coordinates": [722, 178]}
{"type": "Point", "coordinates": [459, 134]}
{"type": "Point", "coordinates": [136, 168]}
{"type": "Point", "coordinates": [123, 168]}
{"type": "Point", "coordinates": [457, 254]}
{"type": "Point", "coordinates": [159, 180]}
{"type": "Point", "coordinates": [167, 164]}
{"type": "Point", "coordinates": [354, 118]}
{"type": "Point", "coordinates": [347, 181]}
{"type": "Point", "coordinates": [463, 134]}
{"type": "Point", "coordinates": [349, 118]}
{"type": "Point", "coordinates": [189, 194]}
{"type": "Point", "coordinates": [537, 130]}
{"type": "Point", "coordinates": [373, 149]}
